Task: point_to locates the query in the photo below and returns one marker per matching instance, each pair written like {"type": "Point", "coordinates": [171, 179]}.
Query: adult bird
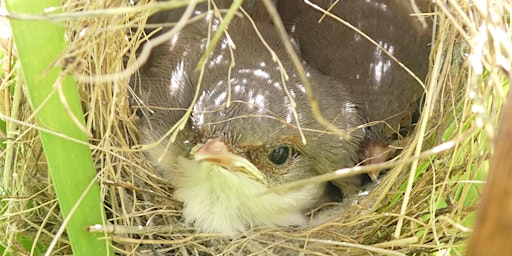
{"type": "Point", "coordinates": [388, 93]}
{"type": "Point", "coordinates": [243, 134]}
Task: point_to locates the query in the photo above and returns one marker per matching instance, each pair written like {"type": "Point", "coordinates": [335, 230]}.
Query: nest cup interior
{"type": "Point", "coordinates": [425, 203]}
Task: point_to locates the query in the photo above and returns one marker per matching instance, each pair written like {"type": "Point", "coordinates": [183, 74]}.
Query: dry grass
{"type": "Point", "coordinates": [425, 204]}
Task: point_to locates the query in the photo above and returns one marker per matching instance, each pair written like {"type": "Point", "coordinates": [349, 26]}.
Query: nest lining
{"type": "Point", "coordinates": [442, 198]}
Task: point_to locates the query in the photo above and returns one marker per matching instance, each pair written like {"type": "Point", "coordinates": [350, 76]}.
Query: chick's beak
{"type": "Point", "coordinates": [377, 152]}
{"type": "Point", "coordinates": [216, 151]}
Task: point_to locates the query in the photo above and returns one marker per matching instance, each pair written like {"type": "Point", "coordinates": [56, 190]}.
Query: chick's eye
{"type": "Point", "coordinates": [279, 155]}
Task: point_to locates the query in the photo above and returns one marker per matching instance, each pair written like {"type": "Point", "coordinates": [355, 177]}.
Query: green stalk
{"type": "Point", "coordinates": [2, 133]}
{"type": "Point", "coordinates": [56, 102]}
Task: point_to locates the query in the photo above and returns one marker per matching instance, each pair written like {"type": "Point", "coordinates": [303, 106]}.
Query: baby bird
{"type": "Point", "coordinates": [388, 93]}
{"type": "Point", "coordinates": [242, 136]}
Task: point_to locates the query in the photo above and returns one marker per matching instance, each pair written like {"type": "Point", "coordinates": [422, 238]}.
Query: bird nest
{"type": "Point", "coordinates": [425, 203]}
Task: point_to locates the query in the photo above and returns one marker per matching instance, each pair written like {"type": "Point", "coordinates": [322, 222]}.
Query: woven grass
{"type": "Point", "coordinates": [425, 204]}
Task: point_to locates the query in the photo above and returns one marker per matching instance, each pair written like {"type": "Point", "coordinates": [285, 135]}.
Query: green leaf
{"type": "Point", "coordinates": [2, 132]}
{"type": "Point", "coordinates": [28, 242]}
{"type": "Point", "coordinates": [55, 99]}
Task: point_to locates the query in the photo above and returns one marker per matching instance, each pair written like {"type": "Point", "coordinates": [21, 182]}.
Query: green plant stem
{"type": "Point", "coordinates": [56, 103]}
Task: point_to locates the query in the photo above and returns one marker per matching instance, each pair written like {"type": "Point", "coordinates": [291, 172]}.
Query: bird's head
{"type": "Point", "coordinates": [255, 117]}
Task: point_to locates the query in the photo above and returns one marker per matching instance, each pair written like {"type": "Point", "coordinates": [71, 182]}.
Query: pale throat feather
{"type": "Point", "coordinates": [218, 200]}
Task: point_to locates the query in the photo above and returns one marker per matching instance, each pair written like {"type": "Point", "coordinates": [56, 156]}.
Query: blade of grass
{"type": "Point", "coordinates": [4, 62]}
{"type": "Point", "coordinates": [2, 133]}
{"type": "Point", "coordinates": [56, 102]}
